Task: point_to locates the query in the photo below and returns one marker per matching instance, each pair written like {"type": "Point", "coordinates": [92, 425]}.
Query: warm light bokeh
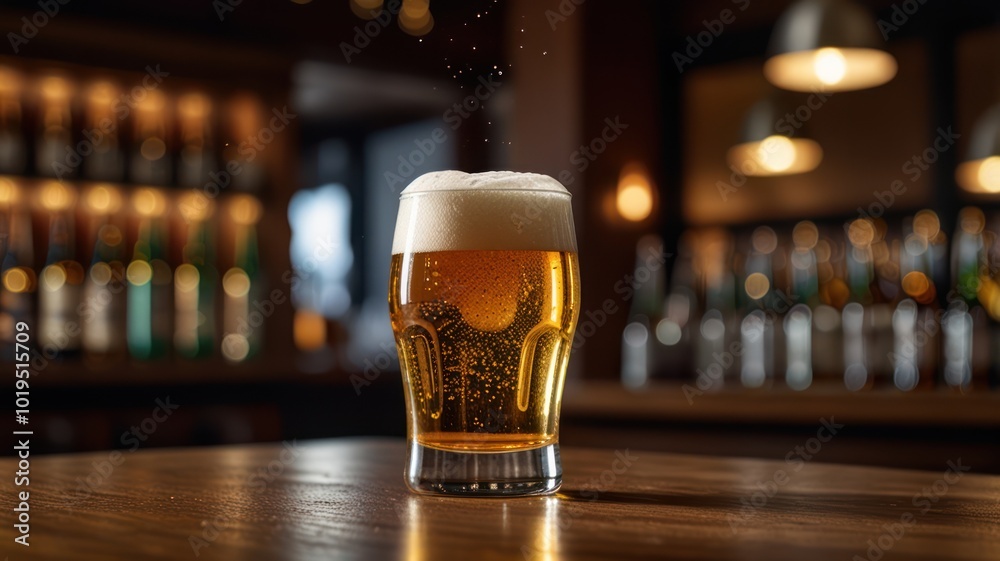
{"type": "Point", "coordinates": [830, 69]}
{"type": "Point", "coordinates": [634, 200]}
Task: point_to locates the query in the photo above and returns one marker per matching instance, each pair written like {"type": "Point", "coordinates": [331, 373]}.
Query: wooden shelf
{"type": "Point", "coordinates": [667, 402]}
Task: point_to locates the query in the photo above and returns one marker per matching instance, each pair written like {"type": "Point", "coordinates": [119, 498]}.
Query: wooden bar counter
{"type": "Point", "coordinates": [345, 499]}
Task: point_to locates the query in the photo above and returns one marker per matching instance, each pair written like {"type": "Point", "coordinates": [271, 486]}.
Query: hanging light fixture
{"type": "Point", "coordinates": [980, 172]}
{"type": "Point", "coordinates": [763, 151]}
{"type": "Point", "coordinates": [827, 45]}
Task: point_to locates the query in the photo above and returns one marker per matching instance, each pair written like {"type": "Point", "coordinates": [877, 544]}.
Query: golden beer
{"type": "Point", "coordinates": [484, 337]}
{"type": "Point", "coordinates": [484, 296]}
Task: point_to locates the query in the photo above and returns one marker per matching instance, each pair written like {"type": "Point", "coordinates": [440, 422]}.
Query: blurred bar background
{"type": "Point", "coordinates": [197, 201]}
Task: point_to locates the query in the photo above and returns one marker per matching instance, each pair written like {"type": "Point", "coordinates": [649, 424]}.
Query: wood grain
{"type": "Point", "coordinates": [344, 499]}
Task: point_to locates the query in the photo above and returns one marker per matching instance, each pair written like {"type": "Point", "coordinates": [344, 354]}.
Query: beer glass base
{"type": "Point", "coordinates": [483, 474]}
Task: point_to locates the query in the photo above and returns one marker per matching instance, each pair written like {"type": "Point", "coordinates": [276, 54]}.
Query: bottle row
{"type": "Point", "coordinates": [134, 130]}
{"type": "Point", "coordinates": [114, 284]}
{"type": "Point", "coordinates": [860, 305]}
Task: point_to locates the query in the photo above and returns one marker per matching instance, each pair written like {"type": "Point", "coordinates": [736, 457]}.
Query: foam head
{"type": "Point", "coordinates": [496, 210]}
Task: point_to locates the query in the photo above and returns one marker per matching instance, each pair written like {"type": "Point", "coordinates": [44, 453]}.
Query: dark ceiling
{"type": "Point", "coordinates": [254, 36]}
{"type": "Point", "coordinates": [199, 36]}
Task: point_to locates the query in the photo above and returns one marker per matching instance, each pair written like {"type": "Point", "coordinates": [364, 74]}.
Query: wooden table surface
{"type": "Point", "coordinates": [345, 499]}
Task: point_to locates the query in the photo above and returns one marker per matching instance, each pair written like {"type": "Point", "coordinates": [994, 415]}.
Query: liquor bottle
{"type": "Point", "coordinates": [61, 280]}
{"type": "Point", "coordinates": [104, 299]}
{"type": "Point", "coordinates": [639, 362]}
{"type": "Point", "coordinates": [865, 318]}
{"type": "Point", "coordinates": [243, 322]}
{"type": "Point", "coordinates": [989, 297]}
{"type": "Point", "coordinates": [105, 161]}
{"type": "Point", "coordinates": [195, 281]}
{"type": "Point", "coordinates": [54, 155]}
{"type": "Point", "coordinates": [828, 334]}
{"type": "Point", "coordinates": [13, 152]}
{"type": "Point", "coordinates": [103, 311]}
{"type": "Point", "coordinates": [245, 143]}
{"type": "Point", "coordinates": [152, 163]}
{"type": "Point", "coordinates": [882, 288]}
{"type": "Point", "coordinates": [674, 321]}
{"type": "Point", "coordinates": [757, 335]}
{"type": "Point", "coordinates": [18, 276]}
{"type": "Point", "coordinates": [916, 329]}
{"type": "Point", "coordinates": [716, 332]}
{"type": "Point", "coordinates": [148, 274]}
{"type": "Point", "coordinates": [965, 359]}
{"type": "Point", "coordinates": [197, 158]}
{"type": "Point", "coordinates": [804, 289]}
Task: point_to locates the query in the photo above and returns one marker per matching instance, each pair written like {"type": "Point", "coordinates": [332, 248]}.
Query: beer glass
{"type": "Point", "coordinates": [484, 296]}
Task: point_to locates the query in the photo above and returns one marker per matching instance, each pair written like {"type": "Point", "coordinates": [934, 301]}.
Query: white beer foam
{"type": "Point", "coordinates": [494, 210]}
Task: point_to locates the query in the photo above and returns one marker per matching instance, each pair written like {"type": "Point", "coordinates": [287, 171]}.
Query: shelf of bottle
{"type": "Point", "coordinates": [72, 373]}
{"type": "Point", "coordinates": [680, 402]}
{"type": "Point", "coordinates": [102, 197]}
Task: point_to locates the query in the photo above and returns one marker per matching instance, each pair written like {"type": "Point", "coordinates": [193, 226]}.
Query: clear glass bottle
{"type": "Point", "coordinates": [106, 161]}
{"type": "Point", "coordinates": [13, 151]}
{"type": "Point", "coordinates": [195, 281]}
{"type": "Point", "coordinates": [149, 277]}
{"type": "Point", "coordinates": [61, 280]}
{"type": "Point", "coordinates": [243, 320]}
{"type": "Point", "coordinates": [55, 155]}
{"type": "Point", "coordinates": [152, 162]}
{"type": "Point", "coordinates": [197, 156]}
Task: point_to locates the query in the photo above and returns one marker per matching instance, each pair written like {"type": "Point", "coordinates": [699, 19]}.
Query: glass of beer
{"type": "Point", "coordinates": [484, 296]}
